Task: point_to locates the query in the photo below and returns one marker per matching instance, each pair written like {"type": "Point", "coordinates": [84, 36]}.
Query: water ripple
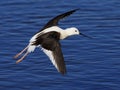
{"type": "Point", "coordinates": [91, 63]}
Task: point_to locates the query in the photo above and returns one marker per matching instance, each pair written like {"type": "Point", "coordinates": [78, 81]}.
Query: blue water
{"type": "Point", "coordinates": [92, 64]}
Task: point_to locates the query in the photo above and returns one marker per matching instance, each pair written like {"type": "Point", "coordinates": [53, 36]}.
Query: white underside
{"type": "Point", "coordinates": [50, 55]}
{"type": "Point", "coordinates": [31, 48]}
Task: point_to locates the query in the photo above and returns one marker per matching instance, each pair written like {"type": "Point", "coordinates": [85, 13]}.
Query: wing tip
{"type": "Point", "coordinates": [71, 12]}
{"type": "Point", "coordinates": [63, 72]}
{"type": "Point", "coordinates": [74, 10]}
{"type": "Point", "coordinates": [77, 8]}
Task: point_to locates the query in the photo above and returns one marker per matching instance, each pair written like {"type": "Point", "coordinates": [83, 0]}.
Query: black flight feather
{"type": "Point", "coordinates": [54, 21]}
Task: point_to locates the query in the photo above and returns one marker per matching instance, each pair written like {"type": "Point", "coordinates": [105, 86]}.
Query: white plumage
{"type": "Point", "coordinates": [50, 55]}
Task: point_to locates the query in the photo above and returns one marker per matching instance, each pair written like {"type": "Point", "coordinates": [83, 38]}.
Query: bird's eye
{"type": "Point", "coordinates": [75, 30]}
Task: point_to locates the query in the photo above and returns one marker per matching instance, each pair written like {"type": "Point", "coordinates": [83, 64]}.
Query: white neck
{"type": "Point", "coordinates": [66, 33]}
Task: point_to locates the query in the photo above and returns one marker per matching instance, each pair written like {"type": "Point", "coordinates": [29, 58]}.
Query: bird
{"type": "Point", "coordinates": [48, 40]}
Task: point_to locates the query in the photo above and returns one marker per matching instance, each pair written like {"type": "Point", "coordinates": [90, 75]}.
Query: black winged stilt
{"type": "Point", "coordinates": [48, 39]}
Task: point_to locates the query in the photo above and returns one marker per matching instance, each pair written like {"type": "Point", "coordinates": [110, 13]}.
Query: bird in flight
{"type": "Point", "coordinates": [48, 40]}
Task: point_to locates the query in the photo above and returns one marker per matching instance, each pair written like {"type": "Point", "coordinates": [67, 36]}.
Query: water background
{"type": "Point", "coordinates": [92, 64]}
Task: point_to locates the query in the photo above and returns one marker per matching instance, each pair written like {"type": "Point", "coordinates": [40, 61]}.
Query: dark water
{"type": "Point", "coordinates": [92, 64]}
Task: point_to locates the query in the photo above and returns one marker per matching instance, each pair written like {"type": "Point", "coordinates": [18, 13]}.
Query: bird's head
{"type": "Point", "coordinates": [74, 31]}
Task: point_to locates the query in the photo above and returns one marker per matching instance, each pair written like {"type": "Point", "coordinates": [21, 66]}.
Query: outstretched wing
{"type": "Point", "coordinates": [56, 57]}
{"type": "Point", "coordinates": [51, 47]}
{"type": "Point", "coordinates": [54, 21]}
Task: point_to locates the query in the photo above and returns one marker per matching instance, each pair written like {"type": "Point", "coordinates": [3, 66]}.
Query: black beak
{"type": "Point", "coordinates": [85, 35]}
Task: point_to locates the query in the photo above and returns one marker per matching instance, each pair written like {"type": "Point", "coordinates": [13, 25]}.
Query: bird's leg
{"type": "Point", "coordinates": [22, 57]}
{"type": "Point", "coordinates": [17, 55]}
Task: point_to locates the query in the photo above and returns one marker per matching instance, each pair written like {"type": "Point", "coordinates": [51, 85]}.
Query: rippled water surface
{"type": "Point", "coordinates": [92, 64]}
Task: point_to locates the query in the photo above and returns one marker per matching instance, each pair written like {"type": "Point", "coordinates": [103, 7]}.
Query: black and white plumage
{"type": "Point", "coordinates": [48, 39]}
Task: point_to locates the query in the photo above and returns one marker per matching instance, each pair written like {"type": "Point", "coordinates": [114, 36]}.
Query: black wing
{"type": "Point", "coordinates": [51, 47]}
{"type": "Point", "coordinates": [56, 57]}
{"type": "Point", "coordinates": [54, 21]}
{"type": "Point", "coordinates": [59, 60]}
